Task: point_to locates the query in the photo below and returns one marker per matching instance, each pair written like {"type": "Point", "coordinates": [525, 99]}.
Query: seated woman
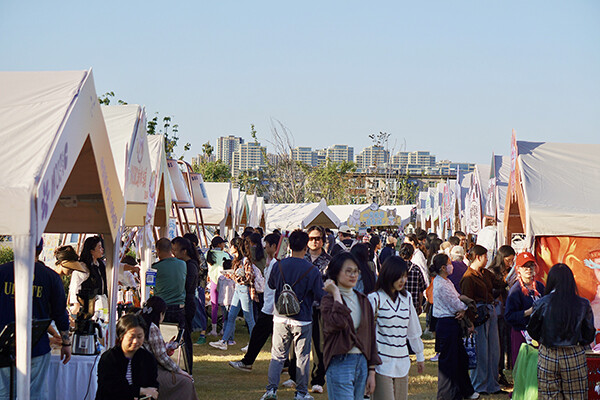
{"type": "Point", "coordinates": [174, 382]}
{"type": "Point", "coordinates": [127, 371]}
{"type": "Point", "coordinates": [350, 350]}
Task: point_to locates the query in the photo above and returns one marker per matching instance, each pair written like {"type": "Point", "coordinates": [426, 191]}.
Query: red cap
{"type": "Point", "coordinates": [524, 258]}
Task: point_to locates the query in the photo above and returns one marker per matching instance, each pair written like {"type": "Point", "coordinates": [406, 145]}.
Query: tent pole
{"type": "Point", "coordinates": [24, 247]}
{"type": "Point", "coordinates": [187, 223]}
{"type": "Point", "coordinates": [178, 215]}
{"type": "Point", "coordinates": [203, 228]}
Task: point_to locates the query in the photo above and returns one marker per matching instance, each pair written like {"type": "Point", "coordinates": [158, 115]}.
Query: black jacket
{"type": "Point", "coordinates": [112, 383]}
{"type": "Point", "coordinates": [544, 328]}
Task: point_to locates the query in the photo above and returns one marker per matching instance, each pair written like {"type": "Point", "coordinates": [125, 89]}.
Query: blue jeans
{"type": "Point", "coordinates": [241, 299]}
{"type": "Point", "coordinates": [485, 376]}
{"type": "Point", "coordinates": [347, 377]}
{"type": "Point", "coordinates": [199, 321]}
{"type": "Point", "coordinates": [39, 373]}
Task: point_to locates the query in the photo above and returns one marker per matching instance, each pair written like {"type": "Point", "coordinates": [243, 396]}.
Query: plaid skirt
{"type": "Point", "coordinates": [562, 373]}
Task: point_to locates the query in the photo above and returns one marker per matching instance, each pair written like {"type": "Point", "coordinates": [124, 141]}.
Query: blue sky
{"type": "Point", "coordinates": [452, 77]}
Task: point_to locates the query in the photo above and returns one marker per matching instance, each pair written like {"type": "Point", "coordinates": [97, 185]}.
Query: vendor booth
{"type": "Point", "coordinates": [291, 216]}
{"type": "Point", "coordinates": [57, 174]}
{"type": "Point", "coordinates": [364, 216]}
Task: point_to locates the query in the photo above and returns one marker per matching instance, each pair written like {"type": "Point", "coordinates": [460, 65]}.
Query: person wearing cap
{"type": "Point", "coordinates": [215, 257]}
{"type": "Point", "coordinates": [68, 264]}
{"type": "Point", "coordinates": [344, 240]}
{"type": "Point", "coordinates": [49, 302]}
{"type": "Point", "coordinates": [519, 303]}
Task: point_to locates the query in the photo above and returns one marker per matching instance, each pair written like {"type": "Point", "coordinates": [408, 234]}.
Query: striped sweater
{"type": "Point", "coordinates": [396, 323]}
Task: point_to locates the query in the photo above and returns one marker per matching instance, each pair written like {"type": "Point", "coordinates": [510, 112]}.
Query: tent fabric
{"type": "Point", "coordinates": [51, 122]}
{"type": "Point", "coordinates": [125, 125]}
{"type": "Point", "coordinates": [344, 211]}
{"type": "Point", "coordinates": [561, 185]}
{"type": "Point", "coordinates": [160, 175]}
{"type": "Point", "coordinates": [220, 197]}
{"type": "Point", "coordinates": [291, 216]}
{"type": "Point", "coordinates": [502, 165]}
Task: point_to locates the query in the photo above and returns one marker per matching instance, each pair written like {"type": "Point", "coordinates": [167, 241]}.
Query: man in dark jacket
{"type": "Point", "coordinates": [307, 284]}
{"type": "Point", "coordinates": [49, 302]}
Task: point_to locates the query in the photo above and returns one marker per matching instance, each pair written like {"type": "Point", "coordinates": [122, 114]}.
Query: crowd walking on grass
{"type": "Point", "coordinates": [343, 315]}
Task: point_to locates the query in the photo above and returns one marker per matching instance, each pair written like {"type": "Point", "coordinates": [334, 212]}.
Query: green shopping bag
{"type": "Point", "coordinates": [525, 374]}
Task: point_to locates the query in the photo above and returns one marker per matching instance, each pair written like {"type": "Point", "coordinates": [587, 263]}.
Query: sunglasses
{"type": "Point", "coordinates": [315, 238]}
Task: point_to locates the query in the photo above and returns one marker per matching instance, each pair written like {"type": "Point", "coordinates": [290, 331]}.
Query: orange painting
{"type": "Point", "coordinates": [582, 255]}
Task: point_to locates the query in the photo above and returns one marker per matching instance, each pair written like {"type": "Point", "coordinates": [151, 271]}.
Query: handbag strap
{"type": "Point", "coordinates": [297, 280]}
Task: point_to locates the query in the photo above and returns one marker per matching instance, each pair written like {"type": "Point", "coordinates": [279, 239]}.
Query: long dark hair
{"type": "Point", "coordinates": [238, 243]}
{"type": "Point", "coordinates": [190, 249]}
{"type": "Point", "coordinates": [254, 240]}
{"type": "Point", "coordinates": [89, 245]}
{"type": "Point", "coordinates": [153, 307]}
{"type": "Point", "coordinates": [393, 269]}
{"type": "Point", "coordinates": [361, 252]}
{"type": "Point", "coordinates": [497, 265]}
{"type": "Point", "coordinates": [565, 296]}
{"type": "Point", "coordinates": [432, 250]}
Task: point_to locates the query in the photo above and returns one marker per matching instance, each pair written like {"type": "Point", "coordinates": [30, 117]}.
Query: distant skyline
{"type": "Point", "coordinates": [452, 78]}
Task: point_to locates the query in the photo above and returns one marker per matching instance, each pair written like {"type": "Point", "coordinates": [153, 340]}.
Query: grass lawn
{"type": "Point", "coordinates": [216, 380]}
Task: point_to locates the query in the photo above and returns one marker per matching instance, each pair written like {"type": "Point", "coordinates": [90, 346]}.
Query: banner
{"type": "Point", "coordinates": [490, 205]}
{"type": "Point", "coordinates": [514, 152]}
{"type": "Point", "coordinates": [582, 255]}
{"type": "Point", "coordinates": [473, 207]}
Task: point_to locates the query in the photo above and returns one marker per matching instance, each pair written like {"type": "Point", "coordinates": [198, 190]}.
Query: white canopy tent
{"type": "Point", "coordinates": [290, 216]}
{"type": "Point", "coordinates": [344, 211]}
{"type": "Point", "coordinates": [57, 175]}
{"type": "Point", "coordinates": [220, 214]}
{"type": "Point", "coordinates": [261, 213]}
{"type": "Point", "coordinates": [253, 209]}
{"type": "Point", "coordinates": [561, 189]}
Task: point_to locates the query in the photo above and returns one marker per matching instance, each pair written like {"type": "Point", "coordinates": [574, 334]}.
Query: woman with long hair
{"type": "Point", "coordinates": [215, 257]}
{"type": "Point", "coordinates": [174, 382]}
{"type": "Point", "coordinates": [186, 251]}
{"type": "Point", "coordinates": [519, 303]}
{"type": "Point", "coordinates": [478, 285]}
{"type": "Point", "coordinates": [93, 279]}
{"type": "Point", "coordinates": [563, 324]}
{"type": "Point", "coordinates": [127, 371]}
{"type": "Point", "coordinates": [453, 363]}
{"type": "Point", "coordinates": [397, 324]}
{"type": "Point", "coordinates": [366, 278]}
{"type": "Point", "coordinates": [350, 350]}
{"type": "Point", "coordinates": [243, 275]}
{"type": "Point", "coordinates": [500, 266]}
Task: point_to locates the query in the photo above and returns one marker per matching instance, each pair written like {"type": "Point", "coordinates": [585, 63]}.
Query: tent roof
{"type": "Point", "coordinates": [344, 211]}
{"type": "Point", "coordinates": [160, 174]}
{"type": "Point", "coordinates": [50, 122]}
{"type": "Point", "coordinates": [219, 195]}
{"type": "Point", "coordinates": [502, 164]}
{"type": "Point", "coordinates": [561, 184]}
{"type": "Point", "coordinates": [290, 216]}
{"type": "Point", "coordinates": [125, 125]}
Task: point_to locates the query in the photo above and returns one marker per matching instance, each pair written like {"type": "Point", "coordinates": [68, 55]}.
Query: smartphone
{"type": "Point", "coordinates": [179, 337]}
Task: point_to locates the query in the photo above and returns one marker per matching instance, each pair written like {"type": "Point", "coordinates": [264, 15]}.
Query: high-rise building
{"type": "Point", "coordinates": [372, 159]}
{"type": "Point", "coordinates": [226, 145]}
{"type": "Point", "coordinates": [321, 157]}
{"type": "Point", "coordinates": [447, 167]}
{"type": "Point", "coordinates": [248, 156]}
{"type": "Point", "coordinates": [340, 152]}
{"type": "Point", "coordinates": [413, 162]}
{"type": "Point", "coordinates": [305, 155]}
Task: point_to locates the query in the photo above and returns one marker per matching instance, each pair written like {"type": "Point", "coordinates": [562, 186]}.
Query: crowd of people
{"type": "Point", "coordinates": [350, 305]}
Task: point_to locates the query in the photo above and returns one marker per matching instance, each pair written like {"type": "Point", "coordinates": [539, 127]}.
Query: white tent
{"type": "Point", "coordinates": [344, 211]}
{"type": "Point", "coordinates": [561, 188]}
{"type": "Point", "coordinates": [261, 213]}
{"type": "Point", "coordinates": [57, 174]}
{"type": "Point", "coordinates": [126, 128]}
{"type": "Point", "coordinates": [159, 205]}
{"type": "Point", "coordinates": [220, 214]}
{"type": "Point", "coordinates": [243, 210]}
{"type": "Point", "coordinates": [290, 216]}
{"type": "Point", "coordinates": [253, 210]}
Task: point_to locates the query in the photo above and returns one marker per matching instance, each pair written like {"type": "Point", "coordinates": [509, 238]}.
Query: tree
{"type": "Point", "coordinates": [330, 182]}
{"type": "Point", "coordinates": [213, 171]}
{"type": "Point", "coordinates": [152, 128]}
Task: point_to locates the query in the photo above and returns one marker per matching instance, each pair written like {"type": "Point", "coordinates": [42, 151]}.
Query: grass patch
{"type": "Point", "coordinates": [216, 380]}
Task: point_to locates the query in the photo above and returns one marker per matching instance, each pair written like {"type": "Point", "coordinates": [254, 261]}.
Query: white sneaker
{"type": "Point", "coordinates": [307, 396]}
{"type": "Point", "coordinates": [474, 396]}
{"type": "Point", "coordinates": [289, 384]}
{"type": "Point", "coordinates": [219, 344]}
{"type": "Point", "coordinates": [245, 349]}
{"type": "Point", "coordinates": [269, 395]}
{"type": "Point", "coordinates": [317, 389]}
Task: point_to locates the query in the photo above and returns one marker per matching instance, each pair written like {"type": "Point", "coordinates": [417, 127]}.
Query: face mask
{"type": "Point", "coordinates": [449, 269]}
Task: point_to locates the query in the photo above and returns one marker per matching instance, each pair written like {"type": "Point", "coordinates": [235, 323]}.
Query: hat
{"type": "Point", "coordinates": [345, 229]}
{"type": "Point", "coordinates": [391, 240]}
{"type": "Point", "coordinates": [457, 251]}
{"type": "Point", "coordinates": [217, 240]}
{"type": "Point", "coordinates": [73, 265]}
{"type": "Point", "coordinates": [524, 258]}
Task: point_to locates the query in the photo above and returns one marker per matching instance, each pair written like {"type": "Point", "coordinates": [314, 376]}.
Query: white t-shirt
{"type": "Point", "coordinates": [269, 295]}
{"type": "Point", "coordinates": [77, 278]}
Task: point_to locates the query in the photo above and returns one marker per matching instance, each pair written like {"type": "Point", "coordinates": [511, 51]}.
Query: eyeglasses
{"type": "Point", "coordinates": [351, 272]}
{"type": "Point", "coordinates": [315, 238]}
